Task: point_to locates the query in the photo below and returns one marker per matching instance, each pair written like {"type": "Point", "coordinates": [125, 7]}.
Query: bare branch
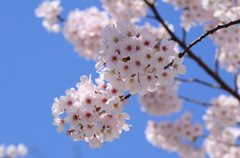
{"type": "Point", "coordinates": [195, 101]}
{"type": "Point", "coordinates": [125, 97]}
{"type": "Point", "coordinates": [208, 32]}
{"type": "Point", "coordinates": [199, 81]}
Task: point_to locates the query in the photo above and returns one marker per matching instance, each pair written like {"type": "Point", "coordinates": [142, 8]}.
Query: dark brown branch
{"type": "Point", "coordinates": [208, 32]}
{"type": "Point", "coordinates": [125, 97]}
{"type": "Point", "coordinates": [61, 19]}
{"type": "Point", "coordinates": [216, 77]}
{"type": "Point", "coordinates": [199, 81]}
{"type": "Point", "coordinates": [195, 101]}
{"type": "Point", "coordinates": [169, 65]}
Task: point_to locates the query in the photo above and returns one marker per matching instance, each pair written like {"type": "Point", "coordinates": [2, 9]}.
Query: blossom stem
{"type": "Point", "coordinates": [198, 81]}
{"type": "Point", "coordinates": [195, 101]}
{"type": "Point", "coordinates": [61, 19]}
{"type": "Point", "coordinates": [125, 97]}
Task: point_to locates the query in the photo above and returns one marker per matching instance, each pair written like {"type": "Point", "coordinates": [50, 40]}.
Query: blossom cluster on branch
{"type": "Point", "coordinates": [94, 112]}
{"type": "Point", "coordinates": [134, 59]}
{"type": "Point", "coordinates": [222, 122]}
{"type": "Point", "coordinates": [178, 136]}
{"type": "Point", "coordinates": [125, 9]}
{"type": "Point", "coordinates": [50, 10]}
{"type": "Point", "coordinates": [12, 151]}
{"type": "Point", "coordinates": [163, 101]}
{"type": "Point", "coordinates": [83, 28]}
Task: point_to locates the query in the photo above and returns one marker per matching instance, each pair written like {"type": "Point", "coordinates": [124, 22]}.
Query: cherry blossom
{"type": "Point", "coordinates": [159, 32]}
{"type": "Point", "coordinates": [223, 144]}
{"type": "Point", "coordinates": [164, 101]}
{"type": "Point", "coordinates": [13, 151]}
{"type": "Point", "coordinates": [83, 28]}
{"type": "Point", "coordinates": [93, 112]}
{"type": "Point", "coordinates": [225, 111]}
{"type": "Point", "coordinates": [221, 120]}
{"type": "Point", "coordinates": [125, 9]}
{"type": "Point", "coordinates": [135, 59]}
{"type": "Point", "coordinates": [176, 136]}
{"type": "Point", "coordinates": [49, 10]}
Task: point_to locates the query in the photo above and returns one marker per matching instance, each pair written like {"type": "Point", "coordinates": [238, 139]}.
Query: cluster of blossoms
{"type": "Point", "coordinates": [50, 10]}
{"type": "Point", "coordinates": [11, 151]}
{"type": "Point", "coordinates": [220, 120]}
{"type": "Point", "coordinates": [225, 111]}
{"type": "Point", "coordinates": [223, 145]}
{"type": "Point", "coordinates": [83, 28]}
{"type": "Point", "coordinates": [125, 9]}
{"type": "Point", "coordinates": [164, 101]}
{"type": "Point", "coordinates": [223, 10]}
{"type": "Point", "coordinates": [193, 12]}
{"type": "Point", "coordinates": [93, 112]}
{"type": "Point", "coordinates": [133, 59]}
{"type": "Point", "coordinates": [159, 32]}
{"type": "Point", "coordinates": [176, 136]}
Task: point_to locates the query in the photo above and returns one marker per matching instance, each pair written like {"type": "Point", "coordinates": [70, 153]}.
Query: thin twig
{"type": "Point", "coordinates": [208, 70]}
{"type": "Point", "coordinates": [195, 101]}
{"type": "Point", "coordinates": [150, 17]}
{"type": "Point", "coordinates": [184, 36]}
{"type": "Point", "coordinates": [199, 81]}
{"type": "Point", "coordinates": [217, 61]}
{"type": "Point", "coordinates": [61, 19]}
{"type": "Point", "coordinates": [208, 32]}
{"type": "Point", "coordinates": [125, 97]}
{"type": "Point", "coordinates": [169, 65]}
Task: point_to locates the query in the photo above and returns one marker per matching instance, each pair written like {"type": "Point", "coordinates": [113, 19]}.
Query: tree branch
{"type": "Point", "coordinates": [195, 101]}
{"type": "Point", "coordinates": [216, 77]}
{"type": "Point", "coordinates": [61, 19]}
{"type": "Point", "coordinates": [208, 32]}
{"type": "Point", "coordinates": [125, 97]}
{"type": "Point", "coordinates": [199, 81]}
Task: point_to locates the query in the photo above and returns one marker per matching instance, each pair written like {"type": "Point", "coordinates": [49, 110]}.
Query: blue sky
{"type": "Point", "coordinates": [36, 67]}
